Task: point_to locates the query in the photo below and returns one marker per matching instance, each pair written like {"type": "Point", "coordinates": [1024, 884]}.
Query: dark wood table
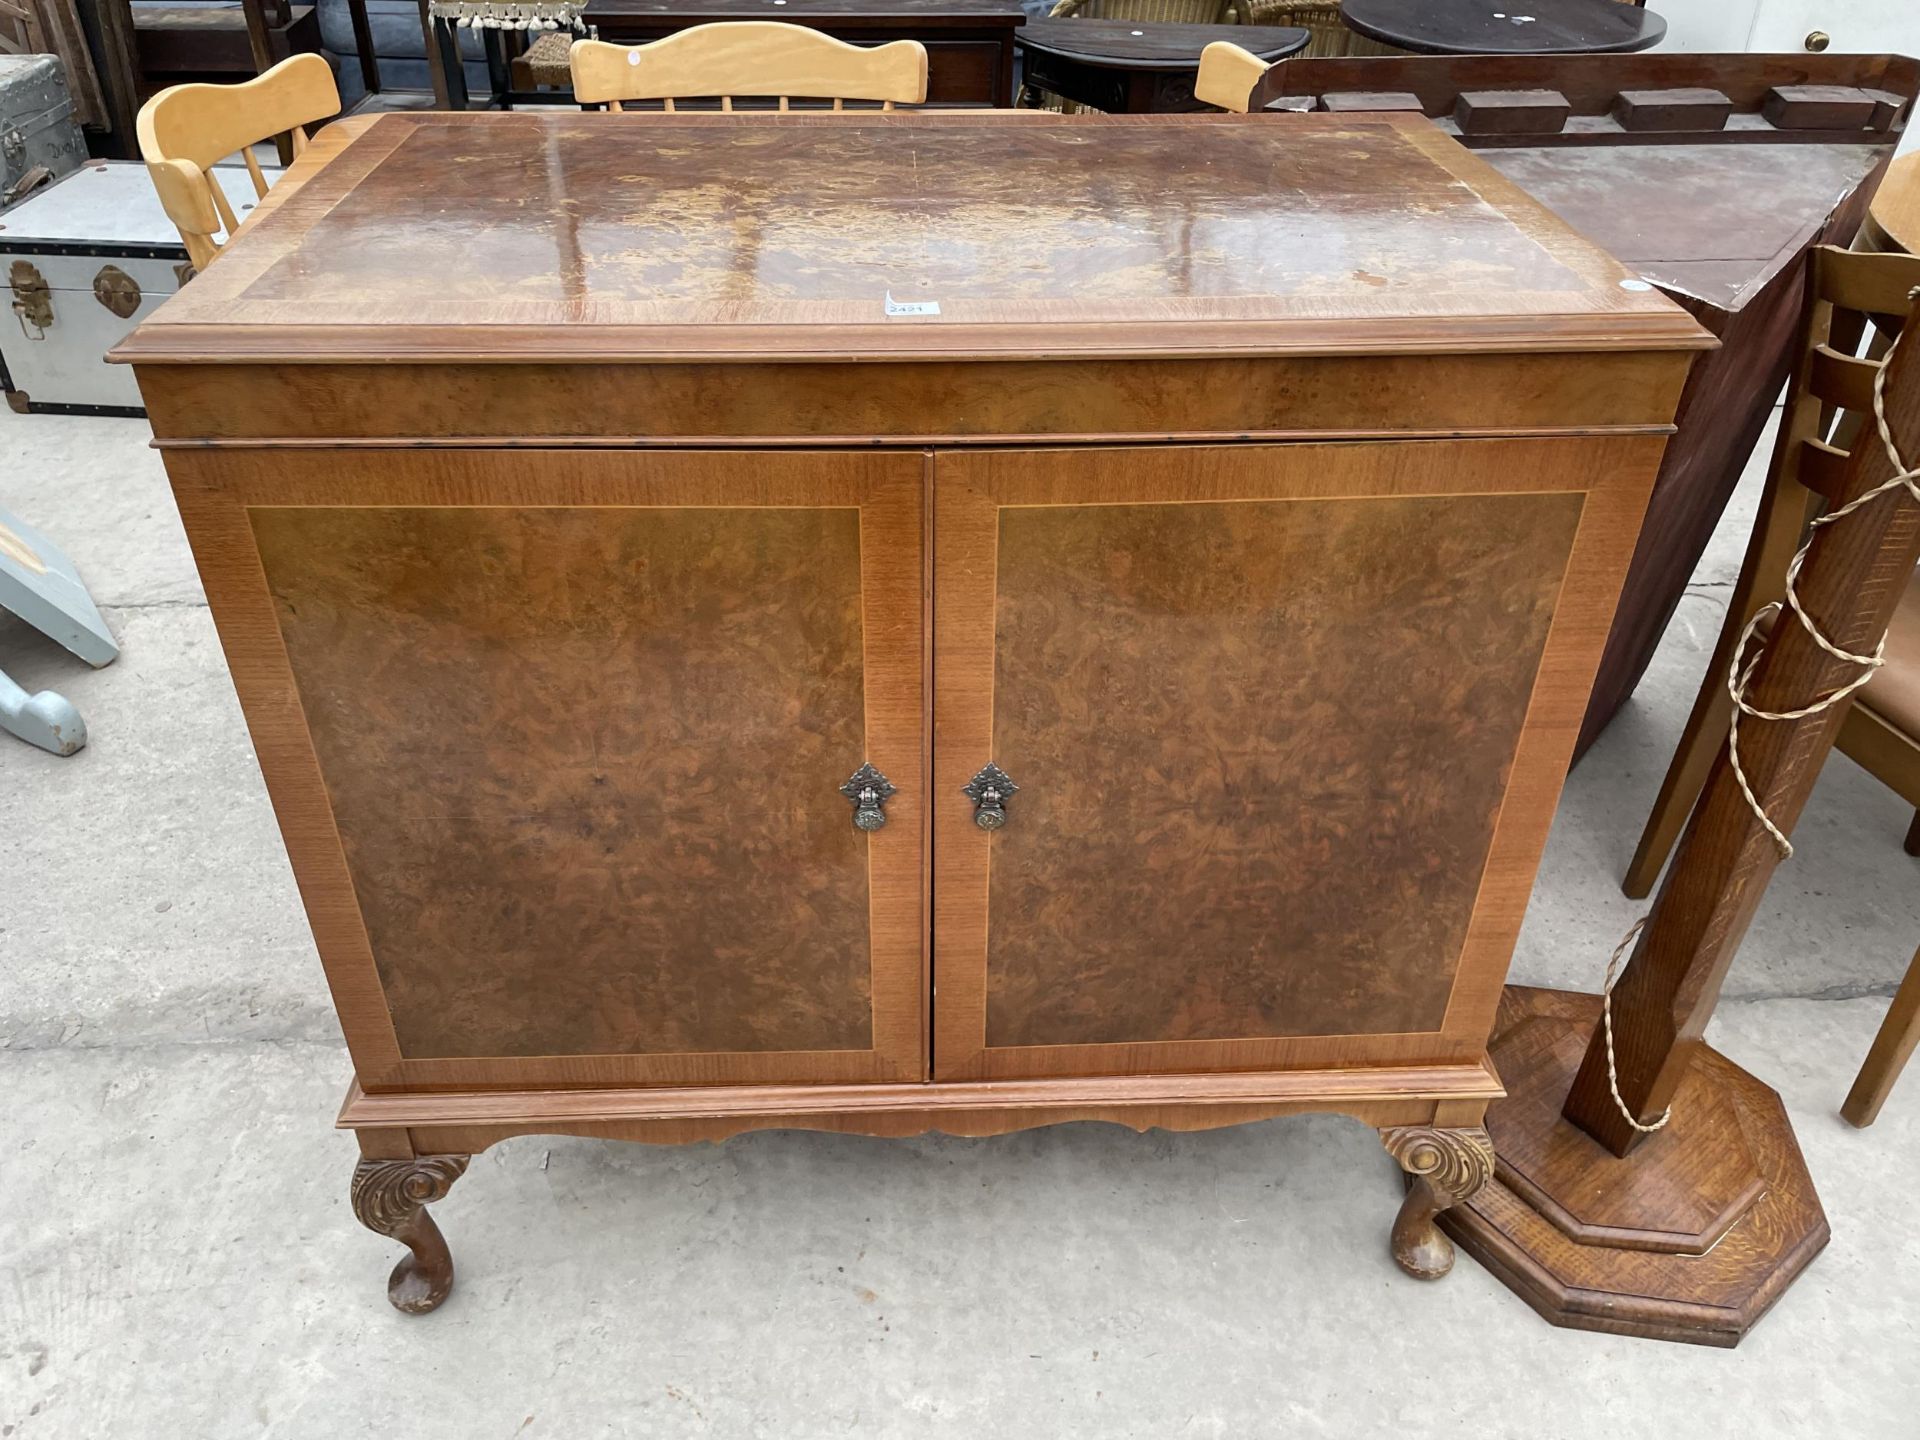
{"type": "Point", "coordinates": [1128, 67]}
{"type": "Point", "coordinates": [969, 42]}
{"type": "Point", "coordinates": [1505, 27]}
{"type": "Point", "coordinates": [1711, 176]}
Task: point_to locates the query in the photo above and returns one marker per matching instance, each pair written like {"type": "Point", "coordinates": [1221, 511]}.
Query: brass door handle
{"type": "Point", "coordinates": [989, 791]}
{"type": "Point", "coordinates": [868, 789]}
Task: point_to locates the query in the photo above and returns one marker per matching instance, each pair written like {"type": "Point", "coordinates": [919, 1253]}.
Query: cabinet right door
{"type": "Point", "coordinates": [1278, 734]}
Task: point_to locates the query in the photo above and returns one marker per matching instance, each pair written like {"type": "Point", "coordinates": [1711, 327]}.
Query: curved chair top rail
{"type": "Point", "coordinates": [749, 58]}
{"type": "Point", "coordinates": [186, 129]}
{"type": "Point", "coordinates": [1227, 76]}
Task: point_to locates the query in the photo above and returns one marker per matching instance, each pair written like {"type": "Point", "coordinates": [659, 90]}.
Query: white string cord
{"type": "Point", "coordinates": [1606, 1016]}
{"type": "Point", "coordinates": [1739, 675]}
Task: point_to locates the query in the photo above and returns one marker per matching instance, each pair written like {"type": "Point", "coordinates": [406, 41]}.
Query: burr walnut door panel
{"type": "Point", "coordinates": [556, 740]}
{"type": "Point", "coordinates": [1287, 726]}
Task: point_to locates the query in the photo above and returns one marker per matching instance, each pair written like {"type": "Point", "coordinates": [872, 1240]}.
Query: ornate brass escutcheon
{"type": "Point", "coordinates": [868, 790]}
{"type": "Point", "coordinates": [117, 290]}
{"type": "Point", "coordinates": [32, 300]}
{"type": "Point", "coordinates": [989, 791]}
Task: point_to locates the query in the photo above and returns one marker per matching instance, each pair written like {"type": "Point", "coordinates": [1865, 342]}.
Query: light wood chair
{"type": "Point", "coordinates": [736, 59]}
{"type": "Point", "coordinates": [1227, 76]}
{"type": "Point", "coordinates": [1828, 397]}
{"type": "Point", "coordinates": [1829, 408]}
{"type": "Point", "coordinates": [186, 129]}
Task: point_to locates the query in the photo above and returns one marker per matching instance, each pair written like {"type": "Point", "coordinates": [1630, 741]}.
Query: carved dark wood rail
{"type": "Point", "coordinates": [1491, 100]}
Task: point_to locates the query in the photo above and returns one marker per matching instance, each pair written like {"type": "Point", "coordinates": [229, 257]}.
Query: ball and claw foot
{"type": "Point", "coordinates": [390, 1197]}
{"type": "Point", "coordinates": [1444, 1167]}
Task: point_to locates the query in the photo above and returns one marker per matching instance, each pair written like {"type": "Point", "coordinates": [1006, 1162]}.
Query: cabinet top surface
{"type": "Point", "coordinates": [761, 236]}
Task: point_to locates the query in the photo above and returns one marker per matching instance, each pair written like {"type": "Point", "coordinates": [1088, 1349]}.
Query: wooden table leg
{"type": "Point", "coordinates": [1444, 1167]}
{"type": "Point", "coordinates": [436, 62]}
{"type": "Point", "coordinates": [390, 1197]}
{"type": "Point", "coordinates": [1893, 1046]}
{"type": "Point", "coordinates": [1691, 1230]}
{"type": "Point", "coordinates": [363, 46]}
{"type": "Point", "coordinates": [499, 76]}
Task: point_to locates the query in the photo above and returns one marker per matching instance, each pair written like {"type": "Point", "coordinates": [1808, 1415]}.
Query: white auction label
{"type": "Point", "coordinates": [911, 307]}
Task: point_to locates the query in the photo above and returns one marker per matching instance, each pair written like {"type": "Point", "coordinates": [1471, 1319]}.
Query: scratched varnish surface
{"type": "Point", "coordinates": [797, 221]}
{"type": "Point", "coordinates": [1263, 747]}
{"type": "Point", "coordinates": [583, 766]}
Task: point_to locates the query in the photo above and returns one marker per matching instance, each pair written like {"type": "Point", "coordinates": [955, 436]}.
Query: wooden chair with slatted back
{"type": "Point", "coordinates": [185, 129]}
{"type": "Point", "coordinates": [1829, 398]}
{"type": "Point", "coordinates": [737, 59]}
{"type": "Point", "coordinates": [1829, 408]}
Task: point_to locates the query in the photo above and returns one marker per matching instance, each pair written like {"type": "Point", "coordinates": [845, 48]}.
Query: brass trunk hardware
{"type": "Point", "coordinates": [32, 300]}
{"type": "Point", "coordinates": [117, 290]}
{"type": "Point", "coordinates": [989, 791]}
{"type": "Point", "coordinates": [1818, 41]}
{"type": "Point", "coordinates": [868, 790]}
{"type": "Point", "coordinates": [34, 178]}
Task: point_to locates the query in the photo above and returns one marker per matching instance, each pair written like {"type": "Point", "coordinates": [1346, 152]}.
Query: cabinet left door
{"type": "Point", "coordinates": [557, 741]}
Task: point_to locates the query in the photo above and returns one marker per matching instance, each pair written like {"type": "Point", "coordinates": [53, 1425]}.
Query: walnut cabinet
{"type": "Point", "coordinates": [702, 691]}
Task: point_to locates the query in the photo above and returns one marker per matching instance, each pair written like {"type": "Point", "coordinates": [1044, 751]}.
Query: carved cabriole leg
{"type": "Point", "coordinates": [390, 1197]}
{"type": "Point", "coordinates": [1443, 1167]}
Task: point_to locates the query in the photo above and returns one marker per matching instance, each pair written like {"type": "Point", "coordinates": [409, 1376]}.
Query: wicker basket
{"type": "Point", "coordinates": [545, 61]}
{"type": "Point", "coordinates": [1164, 12]}
{"type": "Point", "coordinates": [1319, 19]}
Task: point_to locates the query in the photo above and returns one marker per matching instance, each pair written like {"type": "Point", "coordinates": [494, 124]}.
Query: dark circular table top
{"type": "Point", "coordinates": [1149, 45]}
{"type": "Point", "coordinates": [1505, 27]}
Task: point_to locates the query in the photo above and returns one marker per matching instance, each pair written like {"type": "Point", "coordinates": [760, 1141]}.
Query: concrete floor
{"type": "Point", "coordinates": [177, 1257]}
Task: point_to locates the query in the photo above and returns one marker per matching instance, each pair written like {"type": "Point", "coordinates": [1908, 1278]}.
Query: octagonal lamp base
{"type": "Point", "coordinates": [1690, 1238]}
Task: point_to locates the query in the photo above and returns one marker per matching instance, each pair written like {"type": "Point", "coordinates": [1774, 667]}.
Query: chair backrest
{"type": "Point", "coordinates": [1830, 397]}
{"type": "Point", "coordinates": [1227, 76]}
{"type": "Point", "coordinates": [19, 29]}
{"type": "Point", "coordinates": [186, 129]}
{"type": "Point", "coordinates": [732, 59]}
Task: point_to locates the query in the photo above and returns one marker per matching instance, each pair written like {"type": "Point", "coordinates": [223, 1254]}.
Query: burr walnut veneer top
{"type": "Point", "coordinates": [763, 236]}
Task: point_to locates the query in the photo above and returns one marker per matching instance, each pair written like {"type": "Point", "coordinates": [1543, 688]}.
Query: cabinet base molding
{"type": "Point", "coordinates": [417, 1144]}
{"type": "Point", "coordinates": [1690, 1238]}
{"type": "Point", "coordinates": [1444, 1095]}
